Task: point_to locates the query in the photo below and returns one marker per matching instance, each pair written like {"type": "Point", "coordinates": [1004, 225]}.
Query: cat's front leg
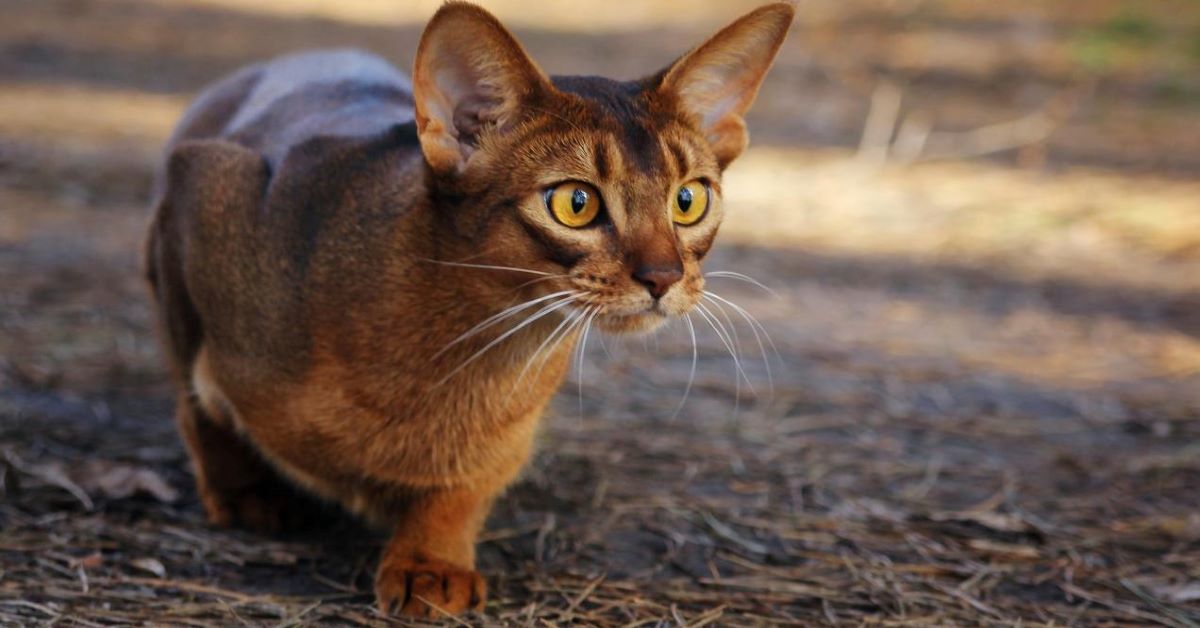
{"type": "Point", "coordinates": [428, 567]}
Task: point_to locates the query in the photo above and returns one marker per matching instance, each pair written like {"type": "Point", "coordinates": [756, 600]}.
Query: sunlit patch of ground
{"type": "Point", "coordinates": [1131, 229]}
{"type": "Point", "coordinates": [81, 115]}
{"type": "Point", "coordinates": [636, 14]}
{"type": "Point", "coordinates": [983, 408]}
{"type": "Point", "coordinates": [556, 15]}
{"type": "Point", "coordinates": [1083, 225]}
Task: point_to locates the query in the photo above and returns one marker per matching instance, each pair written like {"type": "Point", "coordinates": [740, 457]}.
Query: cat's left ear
{"type": "Point", "coordinates": [716, 82]}
{"type": "Point", "coordinates": [470, 75]}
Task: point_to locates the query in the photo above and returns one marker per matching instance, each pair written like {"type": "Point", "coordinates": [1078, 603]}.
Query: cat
{"type": "Point", "coordinates": [369, 287]}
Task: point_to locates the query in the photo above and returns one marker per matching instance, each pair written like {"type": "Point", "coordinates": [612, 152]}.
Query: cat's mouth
{"type": "Point", "coordinates": [643, 321]}
{"type": "Point", "coordinates": [639, 316]}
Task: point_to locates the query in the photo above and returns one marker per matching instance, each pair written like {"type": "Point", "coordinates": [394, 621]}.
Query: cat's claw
{"type": "Point", "coordinates": [428, 589]}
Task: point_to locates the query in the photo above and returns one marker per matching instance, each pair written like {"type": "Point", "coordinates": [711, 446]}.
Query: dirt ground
{"type": "Point", "coordinates": [981, 406]}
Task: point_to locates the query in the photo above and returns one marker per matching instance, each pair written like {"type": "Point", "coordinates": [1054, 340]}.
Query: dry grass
{"type": "Point", "coordinates": [985, 403]}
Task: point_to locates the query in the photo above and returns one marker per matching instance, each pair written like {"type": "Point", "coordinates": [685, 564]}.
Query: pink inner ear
{"type": "Point", "coordinates": [456, 105]}
{"type": "Point", "coordinates": [723, 86]}
{"type": "Point", "coordinates": [467, 102]}
{"type": "Point", "coordinates": [718, 80]}
{"type": "Point", "coordinates": [439, 101]}
{"type": "Point", "coordinates": [469, 73]}
{"type": "Point", "coordinates": [472, 113]}
{"type": "Point", "coordinates": [721, 107]}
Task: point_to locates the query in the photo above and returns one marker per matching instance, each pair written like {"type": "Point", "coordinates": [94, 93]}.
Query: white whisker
{"type": "Point", "coordinates": [499, 316]}
{"type": "Point", "coordinates": [568, 320]}
{"type": "Point", "coordinates": [754, 322]}
{"type": "Point", "coordinates": [539, 280]}
{"type": "Point", "coordinates": [485, 266]}
{"type": "Point", "coordinates": [587, 328]}
{"type": "Point", "coordinates": [566, 333]}
{"type": "Point", "coordinates": [728, 274]}
{"type": "Point", "coordinates": [732, 331]}
{"type": "Point", "coordinates": [727, 340]}
{"type": "Point", "coordinates": [545, 311]}
{"type": "Point", "coordinates": [737, 382]}
{"type": "Point", "coordinates": [604, 345]}
{"type": "Point", "coordinates": [754, 328]}
{"type": "Point", "coordinates": [691, 376]}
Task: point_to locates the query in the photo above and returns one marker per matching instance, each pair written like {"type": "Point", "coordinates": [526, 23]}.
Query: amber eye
{"type": "Point", "coordinates": [574, 204]}
{"type": "Point", "coordinates": [691, 201]}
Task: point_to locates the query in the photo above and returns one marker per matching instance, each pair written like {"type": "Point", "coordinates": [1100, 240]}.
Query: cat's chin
{"type": "Point", "coordinates": [632, 324]}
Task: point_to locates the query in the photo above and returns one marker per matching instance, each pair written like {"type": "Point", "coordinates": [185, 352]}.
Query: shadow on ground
{"type": "Point", "coordinates": [929, 440]}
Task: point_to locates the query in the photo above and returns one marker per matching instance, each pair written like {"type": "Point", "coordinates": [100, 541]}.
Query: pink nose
{"type": "Point", "coordinates": [658, 279]}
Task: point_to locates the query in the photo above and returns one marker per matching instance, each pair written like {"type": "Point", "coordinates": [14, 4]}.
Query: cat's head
{"type": "Point", "coordinates": [613, 189]}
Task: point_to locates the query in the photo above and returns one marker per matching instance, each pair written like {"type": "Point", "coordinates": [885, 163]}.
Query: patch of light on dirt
{"type": "Point", "coordinates": [611, 15]}
{"type": "Point", "coordinates": [1083, 224]}
{"type": "Point", "coordinates": [87, 113]}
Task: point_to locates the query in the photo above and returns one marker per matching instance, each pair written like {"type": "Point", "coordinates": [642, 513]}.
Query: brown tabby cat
{"type": "Point", "coordinates": [372, 288]}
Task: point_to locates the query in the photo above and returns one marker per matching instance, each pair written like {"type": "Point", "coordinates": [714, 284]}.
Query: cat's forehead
{"type": "Point", "coordinates": [617, 98]}
{"type": "Point", "coordinates": [634, 124]}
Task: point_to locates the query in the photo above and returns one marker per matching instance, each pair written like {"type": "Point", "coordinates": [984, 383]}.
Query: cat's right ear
{"type": "Point", "coordinates": [717, 81]}
{"type": "Point", "coordinates": [470, 74]}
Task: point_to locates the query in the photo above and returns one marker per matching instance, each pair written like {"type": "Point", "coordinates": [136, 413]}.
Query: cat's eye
{"type": "Point", "coordinates": [690, 203]}
{"type": "Point", "coordinates": [574, 204]}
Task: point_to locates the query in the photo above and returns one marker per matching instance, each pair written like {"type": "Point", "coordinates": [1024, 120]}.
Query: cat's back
{"type": "Point", "coordinates": [307, 191]}
{"type": "Point", "coordinates": [275, 106]}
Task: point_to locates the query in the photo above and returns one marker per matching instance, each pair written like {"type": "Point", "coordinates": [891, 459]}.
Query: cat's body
{"type": "Point", "coordinates": [327, 242]}
{"type": "Point", "coordinates": [331, 207]}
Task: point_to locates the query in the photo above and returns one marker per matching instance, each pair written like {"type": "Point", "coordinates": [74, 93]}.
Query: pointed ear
{"type": "Point", "coordinates": [470, 74]}
{"type": "Point", "coordinates": [716, 82]}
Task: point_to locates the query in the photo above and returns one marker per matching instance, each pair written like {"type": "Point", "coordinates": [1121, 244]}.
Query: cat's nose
{"type": "Point", "coordinates": [658, 279]}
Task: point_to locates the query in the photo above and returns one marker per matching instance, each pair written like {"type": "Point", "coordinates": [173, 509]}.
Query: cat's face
{"type": "Point", "coordinates": [607, 193]}
{"type": "Point", "coordinates": [615, 196]}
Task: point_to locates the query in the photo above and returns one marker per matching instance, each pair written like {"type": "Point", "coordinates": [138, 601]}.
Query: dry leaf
{"type": "Point", "coordinates": [150, 565]}
{"type": "Point", "coordinates": [1181, 528]}
{"type": "Point", "coordinates": [91, 561]}
{"type": "Point", "coordinates": [1005, 550]}
{"type": "Point", "coordinates": [55, 474]}
{"type": "Point", "coordinates": [866, 509]}
{"type": "Point", "coordinates": [1179, 593]}
{"type": "Point", "coordinates": [106, 478]}
{"type": "Point", "coordinates": [998, 522]}
{"type": "Point", "coordinates": [118, 480]}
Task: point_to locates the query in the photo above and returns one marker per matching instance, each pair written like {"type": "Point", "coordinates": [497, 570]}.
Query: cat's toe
{"type": "Point", "coordinates": [428, 588]}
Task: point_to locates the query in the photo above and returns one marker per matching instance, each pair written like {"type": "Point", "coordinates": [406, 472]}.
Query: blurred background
{"type": "Point", "coordinates": [980, 228]}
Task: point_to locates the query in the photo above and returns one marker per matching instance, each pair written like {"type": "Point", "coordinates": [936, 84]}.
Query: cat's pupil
{"type": "Point", "coordinates": [685, 199]}
{"type": "Point", "coordinates": [578, 200]}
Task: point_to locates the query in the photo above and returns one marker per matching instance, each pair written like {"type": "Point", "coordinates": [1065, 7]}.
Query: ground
{"type": "Point", "coordinates": [983, 398]}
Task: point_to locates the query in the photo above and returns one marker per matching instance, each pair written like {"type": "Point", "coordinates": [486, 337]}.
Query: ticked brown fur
{"type": "Point", "coordinates": [327, 239]}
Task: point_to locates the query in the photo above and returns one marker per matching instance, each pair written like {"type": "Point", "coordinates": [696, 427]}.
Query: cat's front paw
{"type": "Point", "coordinates": [428, 588]}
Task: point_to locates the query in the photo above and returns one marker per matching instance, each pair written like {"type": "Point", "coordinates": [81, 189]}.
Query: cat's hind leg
{"type": "Point", "coordinates": [236, 485]}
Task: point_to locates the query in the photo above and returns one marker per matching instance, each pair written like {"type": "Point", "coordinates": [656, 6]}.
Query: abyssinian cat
{"type": "Point", "coordinates": [371, 287]}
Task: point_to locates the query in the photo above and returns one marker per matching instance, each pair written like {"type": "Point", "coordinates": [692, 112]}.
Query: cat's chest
{"type": "Point", "coordinates": [475, 427]}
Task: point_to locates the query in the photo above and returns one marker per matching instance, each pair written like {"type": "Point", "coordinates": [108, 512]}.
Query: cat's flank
{"type": "Point", "coordinates": [370, 287]}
